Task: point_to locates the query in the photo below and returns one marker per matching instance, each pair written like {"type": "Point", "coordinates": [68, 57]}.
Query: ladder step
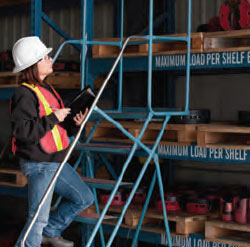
{"type": "Point", "coordinates": [104, 183]}
{"type": "Point", "coordinates": [11, 177]}
{"type": "Point", "coordinates": [92, 218]}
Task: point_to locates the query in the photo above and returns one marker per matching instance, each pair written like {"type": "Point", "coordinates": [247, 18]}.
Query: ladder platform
{"type": "Point", "coordinates": [174, 134]}
{"type": "Point", "coordinates": [230, 233]}
{"type": "Point", "coordinates": [224, 136]}
{"type": "Point", "coordinates": [12, 177]}
{"type": "Point", "coordinates": [104, 183]}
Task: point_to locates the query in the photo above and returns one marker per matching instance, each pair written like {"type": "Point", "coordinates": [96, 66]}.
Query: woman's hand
{"type": "Point", "coordinates": [61, 114]}
{"type": "Point", "coordinates": [78, 119]}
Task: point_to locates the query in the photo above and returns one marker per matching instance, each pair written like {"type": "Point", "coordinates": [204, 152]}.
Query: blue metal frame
{"type": "Point", "coordinates": [37, 15]}
{"type": "Point", "coordinates": [177, 62]}
{"type": "Point", "coordinates": [36, 12]}
{"type": "Point", "coordinates": [149, 113]}
{"type": "Point", "coordinates": [178, 152]}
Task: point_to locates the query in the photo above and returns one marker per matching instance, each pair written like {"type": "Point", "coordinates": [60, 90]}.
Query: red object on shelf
{"type": "Point", "coordinates": [214, 201]}
{"type": "Point", "coordinates": [224, 17]}
{"type": "Point", "coordinates": [248, 211]}
{"type": "Point", "coordinates": [240, 209]}
{"type": "Point", "coordinates": [59, 66]}
{"type": "Point", "coordinates": [139, 197]}
{"type": "Point", "coordinates": [244, 14]}
{"type": "Point", "coordinates": [171, 203]}
{"type": "Point", "coordinates": [229, 15]}
{"type": "Point", "coordinates": [117, 200]}
{"type": "Point", "coordinates": [198, 206]}
{"type": "Point", "coordinates": [226, 209]}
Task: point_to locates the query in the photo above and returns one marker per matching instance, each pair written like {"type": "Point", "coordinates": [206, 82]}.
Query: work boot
{"type": "Point", "coordinates": [57, 242]}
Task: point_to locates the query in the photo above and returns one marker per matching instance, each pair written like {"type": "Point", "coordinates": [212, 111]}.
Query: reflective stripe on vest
{"type": "Point", "coordinates": [55, 132]}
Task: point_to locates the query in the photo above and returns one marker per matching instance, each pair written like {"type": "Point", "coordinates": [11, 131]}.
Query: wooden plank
{"type": "Point", "coordinates": [244, 33]}
{"type": "Point", "coordinates": [173, 134]}
{"type": "Point", "coordinates": [199, 43]}
{"type": "Point", "coordinates": [177, 46]}
{"type": "Point", "coordinates": [230, 40]}
{"type": "Point", "coordinates": [4, 3]}
{"type": "Point", "coordinates": [132, 219]}
{"type": "Point", "coordinates": [184, 223]}
{"type": "Point", "coordinates": [12, 178]}
{"type": "Point", "coordinates": [65, 79]}
{"type": "Point", "coordinates": [226, 232]}
{"type": "Point", "coordinates": [156, 229]}
{"type": "Point", "coordinates": [226, 128]}
{"type": "Point", "coordinates": [223, 136]}
{"type": "Point", "coordinates": [102, 51]}
{"type": "Point", "coordinates": [57, 79]}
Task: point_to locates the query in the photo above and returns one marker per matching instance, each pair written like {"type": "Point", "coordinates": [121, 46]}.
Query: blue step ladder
{"type": "Point", "coordinates": [148, 115]}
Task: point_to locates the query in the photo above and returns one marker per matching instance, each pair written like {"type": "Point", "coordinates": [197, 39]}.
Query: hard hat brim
{"type": "Point", "coordinates": [25, 66]}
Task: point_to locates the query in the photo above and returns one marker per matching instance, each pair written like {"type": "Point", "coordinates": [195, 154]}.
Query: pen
{"type": "Point", "coordinates": [54, 108]}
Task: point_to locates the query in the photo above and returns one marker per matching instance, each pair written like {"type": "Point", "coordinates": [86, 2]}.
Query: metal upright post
{"type": "Point", "coordinates": [36, 17]}
{"type": "Point", "coordinates": [121, 61]}
{"type": "Point", "coordinates": [84, 41]}
{"type": "Point", "coordinates": [150, 37]}
{"type": "Point", "coordinates": [171, 16]}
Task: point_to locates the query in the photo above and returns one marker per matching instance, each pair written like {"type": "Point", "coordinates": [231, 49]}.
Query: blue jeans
{"type": "Point", "coordinates": [69, 185]}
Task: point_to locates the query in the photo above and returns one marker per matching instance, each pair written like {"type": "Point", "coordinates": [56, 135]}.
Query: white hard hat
{"type": "Point", "coordinates": [28, 51]}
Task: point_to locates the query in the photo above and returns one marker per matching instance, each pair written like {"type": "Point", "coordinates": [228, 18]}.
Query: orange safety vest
{"type": "Point", "coordinates": [57, 138]}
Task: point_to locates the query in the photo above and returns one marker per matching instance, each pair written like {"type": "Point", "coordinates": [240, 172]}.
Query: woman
{"type": "Point", "coordinates": [40, 141]}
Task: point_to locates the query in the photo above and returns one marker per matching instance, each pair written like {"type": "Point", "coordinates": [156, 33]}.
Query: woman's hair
{"type": "Point", "coordinates": [30, 76]}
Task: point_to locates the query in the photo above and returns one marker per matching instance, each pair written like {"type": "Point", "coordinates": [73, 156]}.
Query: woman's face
{"type": "Point", "coordinates": [44, 67]}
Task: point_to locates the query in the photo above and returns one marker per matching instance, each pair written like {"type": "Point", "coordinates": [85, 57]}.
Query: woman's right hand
{"type": "Point", "coordinates": [61, 114]}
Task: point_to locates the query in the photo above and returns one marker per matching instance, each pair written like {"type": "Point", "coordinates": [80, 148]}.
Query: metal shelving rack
{"type": "Point", "coordinates": [91, 68]}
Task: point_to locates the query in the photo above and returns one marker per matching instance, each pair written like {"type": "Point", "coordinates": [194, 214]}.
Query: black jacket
{"type": "Point", "coordinates": [28, 127]}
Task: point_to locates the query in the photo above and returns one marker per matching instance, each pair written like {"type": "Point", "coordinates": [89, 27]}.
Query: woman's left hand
{"type": "Point", "coordinates": [78, 119]}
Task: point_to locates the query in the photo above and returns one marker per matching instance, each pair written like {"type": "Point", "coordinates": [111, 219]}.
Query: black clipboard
{"type": "Point", "coordinates": [80, 102]}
